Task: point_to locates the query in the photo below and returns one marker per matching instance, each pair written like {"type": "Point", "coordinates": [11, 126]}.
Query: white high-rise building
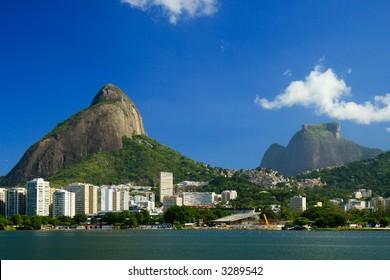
{"type": "Point", "coordinates": [109, 199]}
{"type": "Point", "coordinates": [297, 203]}
{"type": "Point", "coordinates": [64, 203]}
{"type": "Point", "coordinates": [38, 197]}
{"type": "Point", "coordinates": [166, 185]}
{"type": "Point", "coordinates": [16, 201]}
{"type": "Point", "coordinates": [105, 197]}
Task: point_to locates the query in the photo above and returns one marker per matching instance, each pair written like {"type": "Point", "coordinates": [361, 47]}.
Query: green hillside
{"type": "Point", "coordinates": [140, 160]}
{"type": "Point", "coordinates": [373, 174]}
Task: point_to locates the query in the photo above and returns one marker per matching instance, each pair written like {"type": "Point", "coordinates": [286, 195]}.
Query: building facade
{"type": "Point", "coordinates": [123, 199]}
{"type": "Point", "coordinates": [16, 201]}
{"type": "Point", "coordinates": [228, 195]}
{"type": "Point", "coordinates": [198, 198]}
{"type": "Point", "coordinates": [166, 185]}
{"type": "Point", "coordinates": [86, 197]}
{"type": "Point", "coordinates": [38, 197]}
{"type": "Point", "coordinates": [170, 201]}
{"type": "Point", "coordinates": [64, 203]}
{"type": "Point", "coordinates": [3, 201]}
{"type": "Point", "coordinates": [105, 199]}
{"type": "Point", "coordinates": [297, 203]}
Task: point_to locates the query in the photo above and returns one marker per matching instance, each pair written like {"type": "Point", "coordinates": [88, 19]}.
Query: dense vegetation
{"type": "Point", "coordinates": [140, 160]}
{"type": "Point", "coordinates": [328, 216]}
{"type": "Point", "coordinates": [175, 215]}
{"type": "Point", "coordinates": [332, 217]}
{"type": "Point", "coordinates": [25, 222]}
{"type": "Point", "coordinates": [373, 174]}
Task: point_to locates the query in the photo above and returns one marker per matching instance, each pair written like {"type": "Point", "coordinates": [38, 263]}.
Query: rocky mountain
{"type": "Point", "coordinates": [99, 128]}
{"type": "Point", "coordinates": [140, 160]}
{"type": "Point", "coordinates": [315, 146]}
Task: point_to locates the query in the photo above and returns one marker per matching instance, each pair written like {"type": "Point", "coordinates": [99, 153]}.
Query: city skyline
{"type": "Point", "coordinates": [221, 73]}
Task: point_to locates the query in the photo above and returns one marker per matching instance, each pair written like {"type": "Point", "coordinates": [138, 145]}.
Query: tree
{"type": "Point", "coordinates": [180, 214]}
{"type": "Point", "coordinates": [80, 218]}
{"type": "Point", "coordinates": [26, 222]}
{"type": "Point", "coordinates": [131, 222]}
{"type": "Point", "coordinates": [330, 220]}
{"type": "Point", "coordinates": [110, 218]}
{"type": "Point", "coordinates": [36, 222]}
{"type": "Point", "coordinates": [65, 220]}
{"type": "Point", "coordinates": [301, 221]}
{"type": "Point", "coordinates": [17, 220]}
{"type": "Point", "coordinates": [4, 222]}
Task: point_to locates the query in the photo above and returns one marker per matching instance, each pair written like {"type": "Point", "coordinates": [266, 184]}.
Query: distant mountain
{"type": "Point", "coordinates": [95, 145]}
{"type": "Point", "coordinates": [315, 146]}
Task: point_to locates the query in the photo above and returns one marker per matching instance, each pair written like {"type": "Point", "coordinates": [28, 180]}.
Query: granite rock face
{"type": "Point", "coordinates": [101, 127]}
{"type": "Point", "coordinates": [315, 146]}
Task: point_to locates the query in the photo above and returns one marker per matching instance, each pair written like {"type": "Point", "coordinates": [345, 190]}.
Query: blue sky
{"type": "Point", "coordinates": [218, 81]}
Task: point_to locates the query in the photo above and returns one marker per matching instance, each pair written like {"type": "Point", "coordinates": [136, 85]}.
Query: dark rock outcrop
{"type": "Point", "coordinates": [101, 127]}
{"type": "Point", "coordinates": [315, 146]}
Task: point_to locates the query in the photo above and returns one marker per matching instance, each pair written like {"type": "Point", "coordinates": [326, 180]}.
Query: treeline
{"type": "Point", "coordinates": [26, 222]}
{"type": "Point", "coordinates": [332, 217]}
{"type": "Point", "coordinates": [176, 215]}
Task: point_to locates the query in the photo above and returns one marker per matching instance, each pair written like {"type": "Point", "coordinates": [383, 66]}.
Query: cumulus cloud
{"type": "Point", "coordinates": [176, 9]}
{"type": "Point", "coordinates": [324, 92]}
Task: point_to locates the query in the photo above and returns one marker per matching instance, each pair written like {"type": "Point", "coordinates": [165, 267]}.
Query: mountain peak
{"type": "Point", "coordinates": [332, 127]}
{"type": "Point", "coordinates": [92, 130]}
{"type": "Point", "coordinates": [109, 92]}
{"type": "Point", "coordinates": [315, 146]}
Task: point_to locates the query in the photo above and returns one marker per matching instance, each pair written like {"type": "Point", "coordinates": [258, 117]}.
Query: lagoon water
{"type": "Point", "coordinates": [194, 245]}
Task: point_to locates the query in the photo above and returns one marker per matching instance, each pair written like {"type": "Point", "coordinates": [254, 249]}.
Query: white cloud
{"type": "Point", "coordinates": [176, 9]}
{"type": "Point", "coordinates": [287, 73]}
{"type": "Point", "coordinates": [388, 129]}
{"type": "Point", "coordinates": [325, 92]}
{"type": "Point", "coordinates": [224, 45]}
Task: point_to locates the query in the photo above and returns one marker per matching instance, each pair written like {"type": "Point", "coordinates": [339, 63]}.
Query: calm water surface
{"type": "Point", "coordinates": [195, 244]}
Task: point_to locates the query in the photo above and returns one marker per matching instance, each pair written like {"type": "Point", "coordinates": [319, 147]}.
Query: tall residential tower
{"type": "Point", "coordinates": [166, 185]}
{"type": "Point", "coordinates": [38, 197]}
{"type": "Point", "coordinates": [16, 201]}
{"type": "Point", "coordinates": [64, 203]}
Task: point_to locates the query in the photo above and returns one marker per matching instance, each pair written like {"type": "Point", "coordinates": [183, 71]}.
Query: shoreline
{"type": "Point", "coordinates": [259, 228]}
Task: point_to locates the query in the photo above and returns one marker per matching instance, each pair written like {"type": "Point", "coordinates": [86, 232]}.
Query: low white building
{"type": "Point", "coordinates": [358, 204]}
{"type": "Point", "coordinates": [228, 195]}
{"type": "Point", "coordinates": [198, 198]}
{"type": "Point", "coordinates": [169, 201]}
